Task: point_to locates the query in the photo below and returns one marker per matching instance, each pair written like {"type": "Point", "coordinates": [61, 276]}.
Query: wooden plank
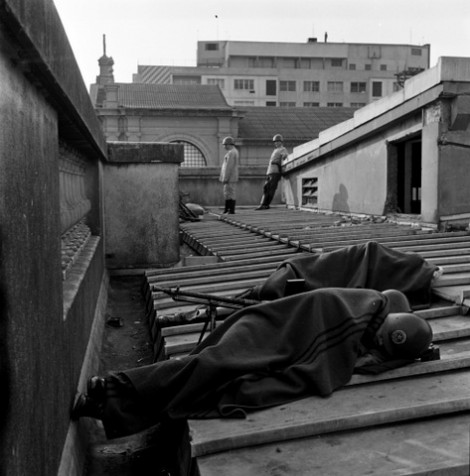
{"type": "Point", "coordinates": [441, 311]}
{"type": "Point", "coordinates": [456, 279]}
{"type": "Point", "coordinates": [232, 266]}
{"type": "Point", "coordinates": [452, 293]}
{"type": "Point", "coordinates": [211, 279]}
{"type": "Point", "coordinates": [350, 408]}
{"type": "Point", "coordinates": [446, 363]}
{"type": "Point", "coordinates": [431, 447]}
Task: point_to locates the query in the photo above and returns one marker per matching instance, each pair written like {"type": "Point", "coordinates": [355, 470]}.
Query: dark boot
{"type": "Point", "coordinates": [264, 203]}
{"type": "Point", "coordinates": [232, 207]}
{"type": "Point", "coordinates": [227, 207]}
{"type": "Point", "coordinates": [92, 403]}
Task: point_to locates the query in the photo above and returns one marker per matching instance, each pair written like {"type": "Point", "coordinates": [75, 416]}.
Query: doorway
{"type": "Point", "coordinates": [404, 176]}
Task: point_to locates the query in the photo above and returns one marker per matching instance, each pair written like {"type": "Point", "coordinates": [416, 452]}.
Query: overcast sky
{"type": "Point", "coordinates": [167, 31]}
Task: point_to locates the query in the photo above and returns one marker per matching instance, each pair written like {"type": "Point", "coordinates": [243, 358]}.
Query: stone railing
{"type": "Point", "coordinates": [74, 205]}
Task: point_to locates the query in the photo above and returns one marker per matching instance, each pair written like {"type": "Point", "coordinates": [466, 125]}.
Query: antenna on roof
{"type": "Point", "coordinates": [104, 45]}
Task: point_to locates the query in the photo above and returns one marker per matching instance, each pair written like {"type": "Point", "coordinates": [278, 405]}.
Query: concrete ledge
{"type": "Point", "coordinates": [202, 172]}
{"type": "Point", "coordinates": [75, 448]}
{"type": "Point", "coordinates": [145, 152]}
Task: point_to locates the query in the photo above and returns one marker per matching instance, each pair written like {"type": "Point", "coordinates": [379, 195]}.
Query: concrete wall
{"type": "Point", "coordinates": [202, 186]}
{"type": "Point", "coordinates": [141, 204]}
{"type": "Point", "coordinates": [352, 180]}
{"type": "Point", "coordinates": [46, 318]}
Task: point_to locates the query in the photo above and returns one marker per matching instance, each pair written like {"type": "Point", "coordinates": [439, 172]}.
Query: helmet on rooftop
{"type": "Point", "coordinates": [397, 301]}
{"type": "Point", "coordinates": [405, 335]}
{"type": "Point", "coordinates": [277, 137]}
{"type": "Point", "coordinates": [228, 141]}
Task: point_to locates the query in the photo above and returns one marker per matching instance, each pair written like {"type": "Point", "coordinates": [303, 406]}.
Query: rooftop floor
{"type": "Point", "coordinates": [400, 430]}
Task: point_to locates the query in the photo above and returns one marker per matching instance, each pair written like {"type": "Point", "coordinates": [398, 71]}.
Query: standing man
{"type": "Point", "coordinates": [229, 174]}
{"type": "Point", "coordinates": [273, 174]}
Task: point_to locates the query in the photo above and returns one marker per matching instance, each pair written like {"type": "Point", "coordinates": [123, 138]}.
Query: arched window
{"type": "Point", "coordinates": [193, 157]}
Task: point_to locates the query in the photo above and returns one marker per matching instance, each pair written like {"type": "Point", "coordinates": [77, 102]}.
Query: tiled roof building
{"type": "Point", "coordinates": [167, 96]}
{"type": "Point", "coordinates": [295, 124]}
{"type": "Point", "coordinates": [199, 117]}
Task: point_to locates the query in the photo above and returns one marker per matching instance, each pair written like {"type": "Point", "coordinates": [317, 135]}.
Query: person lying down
{"type": "Point", "coordinates": [263, 355]}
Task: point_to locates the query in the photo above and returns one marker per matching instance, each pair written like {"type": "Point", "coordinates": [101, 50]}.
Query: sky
{"type": "Point", "coordinates": [166, 32]}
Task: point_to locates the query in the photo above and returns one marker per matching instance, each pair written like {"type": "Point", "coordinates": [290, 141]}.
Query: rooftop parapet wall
{"type": "Point", "coordinates": [44, 54]}
{"type": "Point", "coordinates": [51, 150]}
{"type": "Point", "coordinates": [141, 204]}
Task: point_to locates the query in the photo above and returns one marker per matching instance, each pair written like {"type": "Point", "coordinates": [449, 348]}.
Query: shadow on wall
{"type": "Point", "coordinates": [340, 200]}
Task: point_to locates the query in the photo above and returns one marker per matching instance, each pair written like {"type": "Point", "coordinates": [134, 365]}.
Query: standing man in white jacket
{"type": "Point", "coordinates": [229, 174]}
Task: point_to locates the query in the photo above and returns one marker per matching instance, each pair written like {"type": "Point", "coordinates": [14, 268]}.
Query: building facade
{"type": "Point", "coordinates": [311, 74]}
{"type": "Point", "coordinates": [405, 155]}
{"type": "Point", "coordinates": [199, 117]}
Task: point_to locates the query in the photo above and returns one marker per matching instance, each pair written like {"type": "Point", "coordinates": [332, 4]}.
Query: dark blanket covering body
{"type": "Point", "coordinates": [288, 348]}
{"type": "Point", "coordinates": [370, 265]}
{"type": "Point", "coordinates": [267, 354]}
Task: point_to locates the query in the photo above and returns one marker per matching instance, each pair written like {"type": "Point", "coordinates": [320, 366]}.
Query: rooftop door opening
{"type": "Point", "coordinates": [404, 177]}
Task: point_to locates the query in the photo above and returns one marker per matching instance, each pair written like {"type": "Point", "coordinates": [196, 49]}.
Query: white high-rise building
{"type": "Point", "coordinates": [311, 74]}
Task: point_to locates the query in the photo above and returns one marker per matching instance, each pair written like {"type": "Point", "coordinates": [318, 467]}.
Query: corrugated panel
{"type": "Point", "coordinates": [155, 74]}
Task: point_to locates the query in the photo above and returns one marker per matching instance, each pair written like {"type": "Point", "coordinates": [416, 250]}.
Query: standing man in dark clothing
{"type": "Point", "coordinates": [229, 174]}
{"type": "Point", "coordinates": [273, 174]}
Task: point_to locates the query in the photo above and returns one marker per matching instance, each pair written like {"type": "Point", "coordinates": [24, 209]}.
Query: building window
{"type": "Point", "coordinates": [271, 103]}
{"type": "Point", "coordinates": [244, 103]}
{"type": "Point", "coordinates": [186, 80]}
{"type": "Point", "coordinates": [287, 104]}
{"type": "Point", "coordinates": [244, 84]}
{"type": "Point", "coordinates": [304, 63]}
{"type": "Point", "coordinates": [217, 82]}
{"type": "Point", "coordinates": [287, 62]}
{"type": "Point", "coordinates": [252, 62]}
{"type": "Point", "coordinates": [193, 157]}
{"type": "Point", "coordinates": [335, 104]}
{"type": "Point", "coordinates": [212, 46]}
{"type": "Point", "coordinates": [310, 191]}
{"type": "Point", "coordinates": [376, 89]}
{"type": "Point", "coordinates": [352, 66]}
{"type": "Point", "coordinates": [416, 51]}
{"type": "Point", "coordinates": [336, 62]}
{"type": "Point", "coordinates": [265, 62]}
{"type": "Point", "coordinates": [311, 104]}
{"type": "Point", "coordinates": [286, 85]}
{"type": "Point", "coordinates": [271, 87]}
{"type": "Point", "coordinates": [368, 67]}
{"type": "Point", "coordinates": [335, 86]}
{"type": "Point", "coordinates": [358, 87]}
{"type": "Point", "coordinates": [383, 67]}
{"type": "Point", "coordinates": [358, 104]}
{"type": "Point", "coordinates": [312, 86]}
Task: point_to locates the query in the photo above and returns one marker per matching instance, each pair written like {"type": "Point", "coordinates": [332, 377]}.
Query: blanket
{"type": "Point", "coordinates": [370, 265]}
{"type": "Point", "coordinates": [288, 347]}
{"type": "Point", "coordinates": [266, 355]}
